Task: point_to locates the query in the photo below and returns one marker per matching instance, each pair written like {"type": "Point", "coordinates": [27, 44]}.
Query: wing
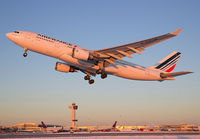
{"type": "Point", "coordinates": [118, 52]}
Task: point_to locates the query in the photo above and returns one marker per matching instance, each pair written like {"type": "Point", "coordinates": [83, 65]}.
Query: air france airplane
{"type": "Point", "coordinates": [103, 61]}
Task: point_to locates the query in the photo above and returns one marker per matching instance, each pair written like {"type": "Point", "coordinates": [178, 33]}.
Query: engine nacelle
{"type": "Point", "coordinates": [64, 68]}
{"type": "Point", "coordinates": [81, 54]}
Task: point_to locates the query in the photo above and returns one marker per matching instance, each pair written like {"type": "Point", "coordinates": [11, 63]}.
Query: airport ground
{"type": "Point", "coordinates": [102, 135]}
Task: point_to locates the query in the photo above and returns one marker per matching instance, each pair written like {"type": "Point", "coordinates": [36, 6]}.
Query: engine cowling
{"type": "Point", "coordinates": [64, 68]}
{"type": "Point", "coordinates": [81, 54]}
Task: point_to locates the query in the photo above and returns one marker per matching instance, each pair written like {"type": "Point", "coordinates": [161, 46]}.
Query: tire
{"type": "Point", "coordinates": [87, 77]}
{"type": "Point", "coordinates": [103, 76]}
{"type": "Point", "coordinates": [91, 81]}
{"type": "Point", "coordinates": [25, 54]}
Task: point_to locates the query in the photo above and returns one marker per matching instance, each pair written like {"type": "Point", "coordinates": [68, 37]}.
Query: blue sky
{"type": "Point", "coordinates": [31, 90]}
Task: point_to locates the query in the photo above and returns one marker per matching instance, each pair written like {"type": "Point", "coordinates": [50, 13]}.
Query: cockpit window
{"type": "Point", "coordinates": [16, 31]}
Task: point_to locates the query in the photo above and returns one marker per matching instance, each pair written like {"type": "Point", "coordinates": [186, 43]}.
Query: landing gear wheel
{"type": "Point", "coordinates": [99, 71]}
{"type": "Point", "coordinates": [103, 76]}
{"type": "Point", "coordinates": [25, 54]}
{"type": "Point", "coordinates": [91, 81]}
{"type": "Point", "coordinates": [87, 77]}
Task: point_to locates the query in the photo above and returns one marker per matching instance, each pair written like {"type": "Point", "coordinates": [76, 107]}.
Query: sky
{"type": "Point", "coordinates": [32, 91]}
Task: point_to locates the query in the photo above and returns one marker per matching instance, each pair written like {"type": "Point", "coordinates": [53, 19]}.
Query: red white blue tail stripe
{"type": "Point", "coordinates": [168, 64]}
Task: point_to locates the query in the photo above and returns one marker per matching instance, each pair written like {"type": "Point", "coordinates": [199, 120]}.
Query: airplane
{"type": "Point", "coordinates": [104, 61]}
{"type": "Point", "coordinates": [112, 129]}
{"type": "Point", "coordinates": [51, 128]}
{"type": "Point", "coordinates": [43, 125]}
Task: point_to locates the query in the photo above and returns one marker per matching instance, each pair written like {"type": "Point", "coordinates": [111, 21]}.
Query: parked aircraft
{"type": "Point", "coordinates": [104, 61]}
{"type": "Point", "coordinates": [111, 129]}
{"type": "Point", "coordinates": [43, 125]}
{"type": "Point", "coordinates": [50, 127]}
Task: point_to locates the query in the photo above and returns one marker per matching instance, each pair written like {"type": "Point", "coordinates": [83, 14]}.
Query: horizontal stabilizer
{"type": "Point", "coordinates": [165, 75]}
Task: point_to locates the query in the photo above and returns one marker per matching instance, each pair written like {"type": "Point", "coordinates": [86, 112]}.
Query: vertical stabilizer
{"type": "Point", "coordinates": [168, 63]}
{"type": "Point", "coordinates": [43, 124]}
{"type": "Point", "coordinates": [114, 125]}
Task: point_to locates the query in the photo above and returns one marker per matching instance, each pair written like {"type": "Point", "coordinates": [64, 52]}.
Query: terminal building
{"type": "Point", "coordinates": [33, 127]}
{"type": "Point", "coordinates": [25, 127]}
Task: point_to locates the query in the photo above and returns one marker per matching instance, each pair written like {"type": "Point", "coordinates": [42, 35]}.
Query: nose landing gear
{"type": "Point", "coordinates": [25, 52]}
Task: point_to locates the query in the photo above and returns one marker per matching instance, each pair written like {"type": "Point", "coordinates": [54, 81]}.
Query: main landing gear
{"type": "Point", "coordinates": [103, 75]}
{"type": "Point", "coordinates": [90, 81]}
{"type": "Point", "coordinates": [99, 71]}
{"type": "Point", "coordinates": [25, 52]}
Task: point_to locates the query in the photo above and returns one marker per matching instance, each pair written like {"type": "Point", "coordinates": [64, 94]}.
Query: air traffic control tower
{"type": "Point", "coordinates": [74, 107]}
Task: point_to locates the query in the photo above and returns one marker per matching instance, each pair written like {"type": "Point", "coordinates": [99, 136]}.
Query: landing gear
{"type": "Point", "coordinates": [101, 67]}
{"type": "Point", "coordinates": [99, 71]}
{"type": "Point", "coordinates": [103, 75]}
{"type": "Point", "coordinates": [25, 52]}
{"type": "Point", "coordinates": [87, 77]}
{"type": "Point", "coordinates": [91, 81]}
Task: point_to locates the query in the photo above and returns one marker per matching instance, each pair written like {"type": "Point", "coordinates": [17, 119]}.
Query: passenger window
{"type": "Point", "coordinates": [16, 31]}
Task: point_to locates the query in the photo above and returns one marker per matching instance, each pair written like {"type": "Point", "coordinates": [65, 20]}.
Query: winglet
{"type": "Point", "coordinates": [176, 32]}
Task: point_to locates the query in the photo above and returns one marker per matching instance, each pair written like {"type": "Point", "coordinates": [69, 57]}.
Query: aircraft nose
{"type": "Point", "coordinates": [8, 35]}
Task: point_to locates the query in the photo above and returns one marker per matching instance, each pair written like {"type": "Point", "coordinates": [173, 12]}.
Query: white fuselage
{"type": "Point", "coordinates": [63, 51]}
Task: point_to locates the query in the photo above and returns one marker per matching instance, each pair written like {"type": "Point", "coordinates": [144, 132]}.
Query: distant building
{"type": "Point", "coordinates": [25, 127]}
{"type": "Point", "coordinates": [179, 127]}
{"type": "Point", "coordinates": [138, 128]}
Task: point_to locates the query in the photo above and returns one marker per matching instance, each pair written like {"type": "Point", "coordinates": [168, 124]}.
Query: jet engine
{"type": "Point", "coordinates": [81, 54]}
{"type": "Point", "coordinates": [64, 68]}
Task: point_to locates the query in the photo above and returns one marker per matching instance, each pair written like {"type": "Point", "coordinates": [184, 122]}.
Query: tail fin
{"type": "Point", "coordinates": [43, 124]}
{"type": "Point", "coordinates": [168, 63]}
{"type": "Point", "coordinates": [114, 125]}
